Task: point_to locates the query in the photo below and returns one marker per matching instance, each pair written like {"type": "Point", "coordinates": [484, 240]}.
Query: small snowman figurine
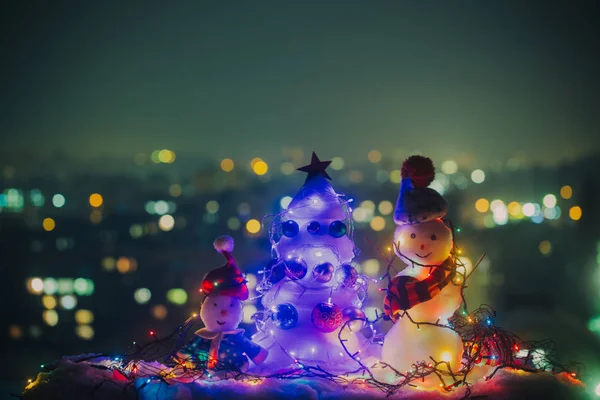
{"type": "Point", "coordinates": [425, 288]}
{"type": "Point", "coordinates": [220, 346]}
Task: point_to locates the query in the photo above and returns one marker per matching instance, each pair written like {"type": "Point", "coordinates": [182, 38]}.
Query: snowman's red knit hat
{"type": "Point", "coordinates": [416, 202]}
{"type": "Point", "coordinates": [228, 279]}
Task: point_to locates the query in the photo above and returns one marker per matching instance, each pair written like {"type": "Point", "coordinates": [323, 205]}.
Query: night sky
{"type": "Point", "coordinates": [244, 78]}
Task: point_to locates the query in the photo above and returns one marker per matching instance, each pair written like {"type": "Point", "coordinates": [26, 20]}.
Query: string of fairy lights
{"type": "Point", "coordinates": [484, 344]}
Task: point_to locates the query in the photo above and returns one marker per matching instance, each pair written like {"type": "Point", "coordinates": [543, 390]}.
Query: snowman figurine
{"type": "Point", "coordinates": [424, 290]}
{"type": "Point", "coordinates": [220, 346]}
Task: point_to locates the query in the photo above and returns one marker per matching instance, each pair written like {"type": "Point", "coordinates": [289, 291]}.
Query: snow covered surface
{"type": "Point", "coordinates": [71, 380]}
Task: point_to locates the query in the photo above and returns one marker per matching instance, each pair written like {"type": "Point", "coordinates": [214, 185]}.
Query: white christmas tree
{"type": "Point", "coordinates": [310, 289]}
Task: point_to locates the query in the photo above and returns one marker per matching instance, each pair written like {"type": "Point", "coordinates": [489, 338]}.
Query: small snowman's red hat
{"type": "Point", "coordinates": [228, 279]}
{"type": "Point", "coordinates": [417, 203]}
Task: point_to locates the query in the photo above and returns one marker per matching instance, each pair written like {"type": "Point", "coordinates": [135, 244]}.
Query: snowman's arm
{"type": "Point", "coordinates": [194, 351]}
{"type": "Point", "coordinates": [256, 353]}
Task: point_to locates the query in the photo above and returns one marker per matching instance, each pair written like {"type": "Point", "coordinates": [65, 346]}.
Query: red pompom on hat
{"type": "Point", "coordinates": [419, 169]}
{"type": "Point", "coordinates": [228, 279]}
{"type": "Point", "coordinates": [417, 203]}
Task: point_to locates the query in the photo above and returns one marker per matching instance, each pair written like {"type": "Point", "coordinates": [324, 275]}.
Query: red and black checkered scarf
{"type": "Point", "coordinates": [405, 292]}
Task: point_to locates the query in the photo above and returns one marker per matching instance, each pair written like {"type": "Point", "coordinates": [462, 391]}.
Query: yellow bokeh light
{"type": "Point", "coordinates": [159, 311]}
{"type": "Point", "coordinates": [50, 317]}
{"type": "Point", "coordinates": [446, 356]}
{"type": "Point", "coordinates": [49, 302]}
{"type": "Point", "coordinates": [85, 332]}
{"type": "Point", "coordinates": [385, 207]}
{"type": "Point", "coordinates": [575, 213]}
{"type": "Point", "coordinates": [566, 192]}
{"type": "Point", "coordinates": [514, 209]}
{"type": "Point", "coordinates": [175, 190]}
{"type": "Point", "coordinates": [166, 156]}
{"type": "Point", "coordinates": [108, 263]}
{"type": "Point", "coordinates": [260, 168]}
{"type": "Point", "coordinates": [482, 205]}
{"type": "Point", "coordinates": [377, 223]}
{"type": "Point", "coordinates": [374, 156]}
{"type": "Point", "coordinates": [545, 247]}
{"type": "Point", "coordinates": [253, 226]}
{"type": "Point", "coordinates": [84, 317]}
{"type": "Point", "coordinates": [48, 224]}
{"type": "Point", "coordinates": [254, 161]}
{"type": "Point", "coordinates": [287, 168]}
{"type": "Point", "coordinates": [449, 167]}
{"type": "Point", "coordinates": [396, 176]}
{"type": "Point", "coordinates": [227, 165]}
{"type": "Point", "coordinates": [96, 200]}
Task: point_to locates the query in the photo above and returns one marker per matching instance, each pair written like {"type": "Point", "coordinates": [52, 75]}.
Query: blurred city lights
{"type": "Point", "coordinates": [96, 200]}
{"type": "Point", "coordinates": [83, 287]}
{"type": "Point", "coordinates": [566, 192]}
{"type": "Point", "coordinates": [496, 205]}
{"type": "Point", "coordinates": [227, 165]}
{"type": "Point", "coordinates": [478, 176]}
{"type": "Point", "coordinates": [108, 263]}
{"type": "Point", "coordinates": [528, 209]}
{"type": "Point", "coordinates": [285, 202]}
{"type": "Point", "coordinates": [287, 168]}
{"type": "Point", "coordinates": [50, 286]}
{"type": "Point", "coordinates": [37, 198]}
{"type": "Point", "coordinates": [126, 265]}
{"type": "Point", "coordinates": [575, 213]}
{"type": "Point", "coordinates": [68, 302]}
{"type": "Point", "coordinates": [84, 317]}
{"type": "Point", "coordinates": [58, 200]}
{"type": "Point", "coordinates": [142, 295]}
{"type": "Point", "coordinates": [136, 231]}
{"type": "Point", "coordinates": [549, 200]}
{"type": "Point", "coordinates": [337, 163]}
{"type": "Point", "coordinates": [356, 176]}
{"type": "Point", "coordinates": [260, 168]}
{"type": "Point", "coordinates": [175, 190]}
{"type": "Point", "coordinates": [377, 223]}
{"type": "Point", "coordinates": [159, 311]}
{"type": "Point", "coordinates": [368, 204]}
{"type": "Point", "coordinates": [177, 296]}
{"type": "Point", "coordinates": [49, 302]}
{"type": "Point", "coordinates": [385, 207]}
{"type": "Point", "coordinates": [382, 176]}
{"type": "Point", "coordinates": [96, 216]}
{"type": "Point", "coordinates": [234, 223]}
{"type": "Point", "coordinates": [15, 332]}
{"type": "Point", "coordinates": [374, 156]}
{"type": "Point", "coordinates": [243, 209]}
{"type": "Point", "coordinates": [396, 176]}
{"type": "Point", "coordinates": [35, 285]}
{"type": "Point", "coordinates": [166, 156]}
{"type": "Point", "coordinates": [85, 332]}
{"type": "Point", "coordinates": [437, 186]}
{"type": "Point", "coordinates": [161, 207]}
{"type": "Point", "coordinates": [50, 317]}
{"type": "Point", "coordinates": [249, 310]}
{"type": "Point", "coordinates": [48, 224]}
{"type": "Point", "coordinates": [371, 267]}
{"type": "Point", "coordinates": [212, 206]}
{"type": "Point", "coordinates": [482, 205]}
{"type": "Point", "coordinates": [253, 226]}
{"type": "Point", "coordinates": [537, 218]}
{"type": "Point", "coordinates": [500, 214]}
{"type": "Point", "coordinates": [514, 209]}
{"type": "Point", "coordinates": [449, 167]}
{"type": "Point", "coordinates": [545, 247]}
{"type": "Point", "coordinates": [65, 286]}
{"type": "Point", "coordinates": [166, 223]}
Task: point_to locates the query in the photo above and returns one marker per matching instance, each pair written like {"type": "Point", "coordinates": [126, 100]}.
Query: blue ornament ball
{"type": "Point", "coordinates": [289, 228]}
{"type": "Point", "coordinates": [295, 269]}
{"type": "Point", "coordinates": [323, 273]}
{"type": "Point", "coordinates": [337, 229]}
{"type": "Point", "coordinates": [285, 316]}
{"type": "Point", "coordinates": [313, 227]}
{"type": "Point", "coordinates": [346, 276]}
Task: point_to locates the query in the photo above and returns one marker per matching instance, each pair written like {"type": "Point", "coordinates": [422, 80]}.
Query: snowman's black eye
{"type": "Point", "coordinates": [413, 235]}
{"type": "Point", "coordinates": [215, 304]}
{"type": "Point", "coordinates": [231, 305]}
{"type": "Point", "coordinates": [433, 237]}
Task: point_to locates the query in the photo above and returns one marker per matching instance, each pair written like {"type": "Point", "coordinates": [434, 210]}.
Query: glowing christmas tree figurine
{"type": "Point", "coordinates": [310, 288]}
